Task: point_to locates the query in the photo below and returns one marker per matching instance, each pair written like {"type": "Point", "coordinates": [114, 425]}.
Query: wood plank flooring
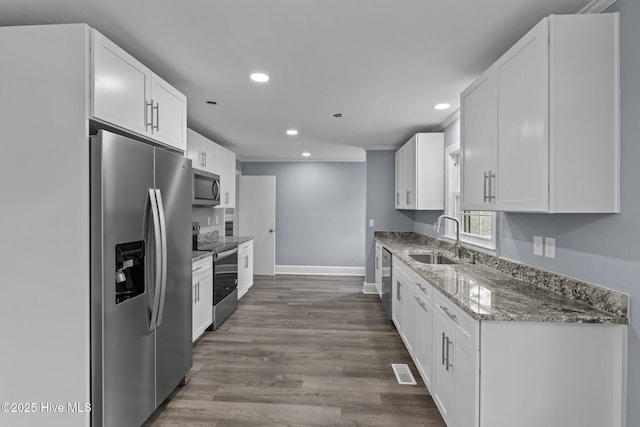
{"type": "Point", "coordinates": [301, 351]}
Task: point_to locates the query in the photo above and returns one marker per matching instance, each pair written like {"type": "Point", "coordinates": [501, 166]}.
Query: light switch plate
{"type": "Point", "coordinates": [550, 247]}
{"type": "Point", "coordinates": [371, 223]}
{"type": "Point", "coordinates": [537, 245]}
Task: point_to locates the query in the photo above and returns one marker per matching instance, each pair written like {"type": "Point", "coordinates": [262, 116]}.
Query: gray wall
{"type": "Point", "coordinates": [320, 211]}
{"type": "Point", "coordinates": [602, 249]}
{"type": "Point", "coordinates": [380, 206]}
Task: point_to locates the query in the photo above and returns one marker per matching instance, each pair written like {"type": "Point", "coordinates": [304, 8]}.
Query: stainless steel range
{"type": "Point", "coordinates": [225, 272]}
{"type": "Point", "coordinates": [225, 285]}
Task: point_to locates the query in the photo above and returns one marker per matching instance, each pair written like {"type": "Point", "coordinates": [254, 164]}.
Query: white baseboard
{"type": "Point", "coordinates": [320, 270]}
{"type": "Point", "coordinates": [369, 288]}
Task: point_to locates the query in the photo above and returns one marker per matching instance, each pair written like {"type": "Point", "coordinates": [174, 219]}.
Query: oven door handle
{"type": "Point", "coordinates": [224, 254]}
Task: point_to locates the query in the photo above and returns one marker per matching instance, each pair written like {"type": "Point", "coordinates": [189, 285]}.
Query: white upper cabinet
{"type": "Point", "coordinates": [128, 95]}
{"type": "Point", "coordinates": [479, 119]}
{"type": "Point", "coordinates": [200, 150]}
{"type": "Point", "coordinates": [170, 114]}
{"type": "Point", "coordinates": [121, 86]}
{"type": "Point", "coordinates": [420, 173]}
{"type": "Point", "coordinates": [211, 157]}
{"type": "Point", "coordinates": [225, 166]}
{"type": "Point", "coordinates": [540, 126]}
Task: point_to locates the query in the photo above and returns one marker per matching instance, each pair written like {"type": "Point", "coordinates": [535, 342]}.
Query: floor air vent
{"type": "Point", "coordinates": [403, 373]}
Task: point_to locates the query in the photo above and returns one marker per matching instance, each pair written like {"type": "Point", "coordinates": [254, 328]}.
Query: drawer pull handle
{"type": "Point", "coordinates": [451, 315]}
{"type": "Point", "coordinates": [423, 305]}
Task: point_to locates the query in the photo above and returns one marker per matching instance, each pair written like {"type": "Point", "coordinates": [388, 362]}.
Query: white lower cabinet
{"type": "Point", "coordinates": [245, 268]}
{"type": "Point", "coordinates": [455, 360]}
{"type": "Point", "coordinates": [202, 296]}
{"type": "Point", "coordinates": [423, 330]}
{"type": "Point", "coordinates": [401, 294]}
{"type": "Point", "coordinates": [484, 373]}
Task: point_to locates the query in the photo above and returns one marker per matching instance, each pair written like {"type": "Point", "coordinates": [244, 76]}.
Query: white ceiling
{"type": "Point", "coordinates": [382, 64]}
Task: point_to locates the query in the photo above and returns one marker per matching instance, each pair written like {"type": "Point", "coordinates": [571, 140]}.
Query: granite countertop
{"type": "Point", "coordinates": [208, 246]}
{"type": "Point", "coordinates": [489, 294]}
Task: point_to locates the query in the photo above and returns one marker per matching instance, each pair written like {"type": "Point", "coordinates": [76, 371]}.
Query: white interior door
{"type": "Point", "coordinates": [257, 218]}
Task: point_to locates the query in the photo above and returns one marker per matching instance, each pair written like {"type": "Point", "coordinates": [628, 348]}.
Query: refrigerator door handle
{"type": "Point", "coordinates": [157, 259]}
{"type": "Point", "coordinates": [163, 237]}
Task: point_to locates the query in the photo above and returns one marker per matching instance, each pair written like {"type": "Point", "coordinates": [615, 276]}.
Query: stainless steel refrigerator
{"type": "Point", "coordinates": [140, 277]}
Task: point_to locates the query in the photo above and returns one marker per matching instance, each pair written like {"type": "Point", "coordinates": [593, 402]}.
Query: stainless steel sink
{"type": "Point", "coordinates": [433, 259]}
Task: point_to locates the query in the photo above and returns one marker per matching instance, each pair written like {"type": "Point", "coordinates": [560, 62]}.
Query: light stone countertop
{"type": "Point", "coordinates": [489, 294]}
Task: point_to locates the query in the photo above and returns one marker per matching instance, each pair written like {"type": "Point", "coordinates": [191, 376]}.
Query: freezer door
{"type": "Point", "coordinates": [173, 346]}
{"type": "Point", "coordinates": [123, 366]}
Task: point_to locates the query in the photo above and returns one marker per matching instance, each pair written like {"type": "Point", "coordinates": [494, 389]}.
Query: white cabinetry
{"type": "Point", "coordinates": [225, 166]}
{"type": "Point", "coordinates": [128, 95]}
{"type": "Point", "coordinates": [211, 157]}
{"type": "Point", "coordinates": [533, 373]}
{"type": "Point", "coordinates": [401, 279]}
{"type": "Point", "coordinates": [423, 333]}
{"type": "Point", "coordinates": [202, 296]}
{"type": "Point", "coordinates": [420, 173]}
{"type": "Point", "coordinates": [408, 311]}
{"type": "Point", "coordinates": [540, 128]}
{"type": "Point", "coordinates": [200, 151]}
{"type": "Point", "coordinates": [378, 269]}
{"type": "Point", "coordinates": [456, 357]}
{"type": "Point", "coordinates": [245, 267]}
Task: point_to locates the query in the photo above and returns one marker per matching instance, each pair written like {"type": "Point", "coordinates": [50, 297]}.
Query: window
{"type": "Point", "coordinates": [476, 227]}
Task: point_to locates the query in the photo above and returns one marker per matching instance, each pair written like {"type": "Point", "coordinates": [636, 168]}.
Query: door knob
{"type": "Point", "coordinates": [271, 230]}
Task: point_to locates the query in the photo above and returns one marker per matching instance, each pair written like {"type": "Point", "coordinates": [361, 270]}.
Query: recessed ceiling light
{"type": "Point", "coordinates": [259, 77]}
{"type": "Point", "coordinates": [442, 106]}
{"type": "Point", "coordinates": [306, 154]}
{"type": "Point", "coordinates": [337, 115]}
{"type": "Point", "coordinates": [212, 103]}
{"type": "Point", "coordinates": [292, 132]}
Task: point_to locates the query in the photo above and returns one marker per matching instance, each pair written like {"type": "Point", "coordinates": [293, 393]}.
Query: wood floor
{"type": "Point", "coordinates": [301, 351]}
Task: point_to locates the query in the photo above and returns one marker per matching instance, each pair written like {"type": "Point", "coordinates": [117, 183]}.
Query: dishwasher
{"type": "Point", "coordinates": [386, 281]}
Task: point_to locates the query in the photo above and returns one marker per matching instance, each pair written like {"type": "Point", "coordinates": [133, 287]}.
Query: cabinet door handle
{"type": "Point", "coordinates": [491, 195]}
{"type": "Point", "coordinates": [408, 196]}
{"type": "Point", "coordinates": [443, 343]}
{"type": "Point", "coordinates": [398, 199]}
{"type": "Point", "coordinates": [148, 118]}
{"type": "Point", "coordinates": [246, 261]}
{"type": "Point", "coordinates": [484, 198]}
{"type": "Point", "coordinates": [157, 122]}
{"type": "Point", "coordinates": [226, 195]}
{"type": "Point", "coordinates": [198, 291]}
{"type": "Point", "coordinates": [398, 284]}
{"type": "Point", "coordinates": [449, 364]}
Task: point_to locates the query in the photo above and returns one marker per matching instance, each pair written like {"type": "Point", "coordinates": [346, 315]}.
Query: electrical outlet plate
{"type": "Point", "coordinates": [371, 222]}
{"type": "Point", "coordinates": [537, 245]}
{"type": "Point", "coordinates": [550, 247]}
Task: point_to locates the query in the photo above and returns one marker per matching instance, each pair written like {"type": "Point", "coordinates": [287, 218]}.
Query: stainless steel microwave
{"type": "Point", "coordinates": [206, 188]}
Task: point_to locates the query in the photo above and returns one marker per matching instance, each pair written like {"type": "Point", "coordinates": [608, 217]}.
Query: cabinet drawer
{"type": "Point", "coordinates": [202, 265]}
{"type": "Point", "coordinates": [464, 324]}
{"type": "Point", "coordinates": [245, 246]}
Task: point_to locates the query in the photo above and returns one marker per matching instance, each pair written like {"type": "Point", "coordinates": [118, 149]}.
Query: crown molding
{"type": "Point", "coordinates": [597, 6]}
{"type": "Point", "coordinates": [452, 118]}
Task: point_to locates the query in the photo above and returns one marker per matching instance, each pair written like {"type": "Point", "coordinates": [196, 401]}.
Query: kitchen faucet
{"type": "Point", "coordinates": [436, 227]}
